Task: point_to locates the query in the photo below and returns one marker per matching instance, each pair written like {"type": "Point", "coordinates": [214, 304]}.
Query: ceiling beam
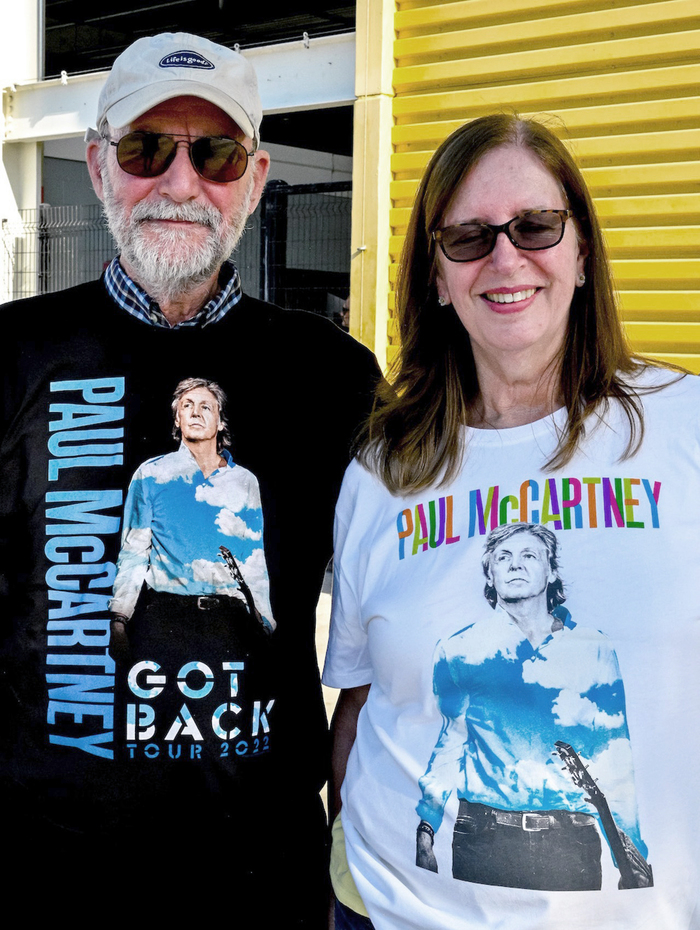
{"type": "Point", "coordinates": [301, 75]}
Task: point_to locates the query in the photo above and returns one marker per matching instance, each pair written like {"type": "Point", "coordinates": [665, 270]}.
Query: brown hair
{"type": "Point", "coordinates": [413, 438]}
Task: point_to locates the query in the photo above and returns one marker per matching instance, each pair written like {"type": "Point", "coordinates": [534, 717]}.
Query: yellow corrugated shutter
{"type": "Point", "coordinates": [624, 78]}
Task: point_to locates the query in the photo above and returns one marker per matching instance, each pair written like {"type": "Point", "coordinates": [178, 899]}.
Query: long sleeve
{"type": "Point", "coordinates": [443, 773]}
{"type": "Point", "coordinates": [134, 558]}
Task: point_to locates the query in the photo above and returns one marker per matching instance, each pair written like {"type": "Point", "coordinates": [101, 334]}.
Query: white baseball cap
{"type": "Point", "coordinates": [177, 64]}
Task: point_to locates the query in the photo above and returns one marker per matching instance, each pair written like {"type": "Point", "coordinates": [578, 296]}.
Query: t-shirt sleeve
{"type": "Point", "coordinates": [348, 663]}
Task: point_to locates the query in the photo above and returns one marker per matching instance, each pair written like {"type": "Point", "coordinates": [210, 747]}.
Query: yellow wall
{"type": "Point", "coordinates": [372, 149]}
{"type": "Point", "coordinates": [622, 76]}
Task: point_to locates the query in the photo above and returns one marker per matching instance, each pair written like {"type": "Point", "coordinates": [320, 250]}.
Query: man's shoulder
{"type": "Point", "coordinates": [61, 306]}
{"type": "Point", "coordinates": [167, 467]}
{"type": "Point", "coordinates": [300, 329]}
{"type": "Point", "coordinates": [490, 636]}
{"type": "Point", "coordinates": [71, 296]}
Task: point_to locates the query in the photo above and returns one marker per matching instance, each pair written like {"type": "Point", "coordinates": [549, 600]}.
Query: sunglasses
{"type": "Point", "coordinates": [148, 154]}
{"type": "Point", "coordinates": [531, 231]}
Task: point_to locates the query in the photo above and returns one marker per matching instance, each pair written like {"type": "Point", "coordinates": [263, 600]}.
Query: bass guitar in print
{"type": "Point", "coordinates": [635, 871]}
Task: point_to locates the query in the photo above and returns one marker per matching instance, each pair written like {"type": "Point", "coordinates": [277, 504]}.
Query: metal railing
{"type": "Point", "coordinates": [305, 237]}
{"type": "Point", "coordinates": [59, 247]}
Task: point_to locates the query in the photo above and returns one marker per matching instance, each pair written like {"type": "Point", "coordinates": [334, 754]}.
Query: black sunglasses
{"type": "Point", "coordinates": [531, 231]}
{"type": "Point", "coordinates": [148, 154]}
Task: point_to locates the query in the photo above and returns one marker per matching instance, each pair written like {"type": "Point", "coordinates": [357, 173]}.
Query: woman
{"type": "Point", "coordinates": [516, 571]}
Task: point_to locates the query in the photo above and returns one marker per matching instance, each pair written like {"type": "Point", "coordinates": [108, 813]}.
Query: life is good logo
{"type": "Point", "coordinates": [186, 59]}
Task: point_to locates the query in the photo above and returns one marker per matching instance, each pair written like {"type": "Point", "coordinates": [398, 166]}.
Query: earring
{"type": "Point", "coordinates": [442, 301]}
{"type": "Point", "coordinates": [581, 279]}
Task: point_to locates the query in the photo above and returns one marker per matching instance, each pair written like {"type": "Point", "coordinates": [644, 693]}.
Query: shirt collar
{"type": "Point", "coordinates": [561, 620]}
{"type": "Point", "coordinates": [184, 449]}
{"type": "Point", "coordinates": [561, 617]}
{"type": "Point", "coordinates": [127, 294]}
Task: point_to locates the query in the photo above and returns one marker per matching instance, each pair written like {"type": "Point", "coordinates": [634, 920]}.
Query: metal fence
{"type": "Point", "coordinates": [305, 237]}
{"type": "Point", "coordinates": [59, 247]}
{"type": "Point", "coordinates": [295, 251]}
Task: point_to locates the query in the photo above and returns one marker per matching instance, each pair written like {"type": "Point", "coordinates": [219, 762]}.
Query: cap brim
{"type": "Point", "coordinates": [129, 108]}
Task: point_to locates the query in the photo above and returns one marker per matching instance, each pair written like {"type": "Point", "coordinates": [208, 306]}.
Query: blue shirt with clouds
{"type": "Point", "coordinates": [505, 704]}
{"type": "Point", "coordinates": [175, 519]}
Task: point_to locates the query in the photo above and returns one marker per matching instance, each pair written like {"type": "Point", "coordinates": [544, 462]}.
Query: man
{"type": "Point", "coordinates": [511, 688]}
{"type": "Point", "coordinates": [183, 600]}
{"type": "Point", "coordinates": [180, 510]}
{"type": "Point", "coordinates": [101, 788]}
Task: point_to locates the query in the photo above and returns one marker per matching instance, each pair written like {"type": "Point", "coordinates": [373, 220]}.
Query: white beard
{"type": "Point", "coordinates": [170, 262]}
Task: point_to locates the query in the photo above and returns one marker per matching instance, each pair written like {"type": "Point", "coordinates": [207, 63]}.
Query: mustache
{"type": "Point", "coordinates": [199, 213]}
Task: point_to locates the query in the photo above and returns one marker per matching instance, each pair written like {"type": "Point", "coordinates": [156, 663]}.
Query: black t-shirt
{"type": "Point", "coordinates": [86, 399]}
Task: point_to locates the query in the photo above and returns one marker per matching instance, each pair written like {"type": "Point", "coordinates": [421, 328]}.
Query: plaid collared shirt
{"type": "Point", "coordinates": [130, 297]}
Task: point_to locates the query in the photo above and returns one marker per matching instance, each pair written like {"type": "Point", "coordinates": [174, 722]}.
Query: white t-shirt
{"type": "Point", "coordinates": [463, 708]}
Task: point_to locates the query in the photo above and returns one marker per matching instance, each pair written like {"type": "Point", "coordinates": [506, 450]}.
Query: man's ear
{"type": "Point", "coordinates": [261, 166]}
{"type": "Point", "coordinates": [92, 156]}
